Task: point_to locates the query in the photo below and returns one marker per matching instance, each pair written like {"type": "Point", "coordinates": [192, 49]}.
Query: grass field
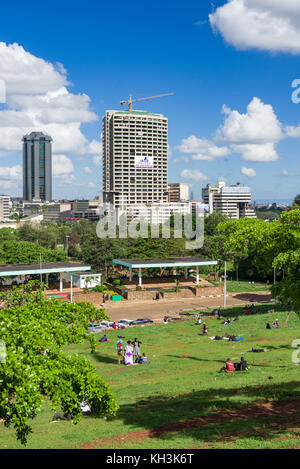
{"type": "Point", "coordinates": [244, 286]}
{"type": "Point", "coordinates": [180, 401]}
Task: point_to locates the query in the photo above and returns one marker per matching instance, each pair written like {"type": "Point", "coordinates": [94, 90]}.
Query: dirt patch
{"type": "Point", "coordinates": [267, 341]}
{"type": "Point", "coordinates": [284, 408]}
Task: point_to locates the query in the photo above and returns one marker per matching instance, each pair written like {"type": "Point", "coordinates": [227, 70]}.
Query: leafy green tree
{"type": "Point", "coordinates": [297, 201]}
{"type": "Point", "coordinates": [23, 252]}
{"type": "Point", "coordinates": [7, 234]}
{"type": "Point", "coordinates": [212, 221]}
{"type": "Point", "coordinates": [36, 370]}
{"type": "Point", "coordinates": [271, 245]}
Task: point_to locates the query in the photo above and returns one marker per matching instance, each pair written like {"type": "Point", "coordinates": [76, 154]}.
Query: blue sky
{"type": "Point", "coordinates": [110, 50]}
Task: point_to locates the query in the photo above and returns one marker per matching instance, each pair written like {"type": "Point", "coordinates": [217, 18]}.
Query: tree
{"type": "Point", "coordinates": [271, 245]}
{"type": "Point", "coordinates": [297, 201]}
{"type": "Point", "coordinates": [212, 221]}
{"type": "Point", "coordinates": [36, 369]}
{"type": "Point", "coordinates": [24, 252]}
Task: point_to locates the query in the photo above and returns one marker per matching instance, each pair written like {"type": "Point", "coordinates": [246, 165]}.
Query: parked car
{"type": "Point", "coordinates": [125, 322]}
{"type": "Point", "coordinates": [95, 329]}
{"type": "Point", "coordinates": [107, 323]}
{"type": "Point", "coordinates": [141, 321]}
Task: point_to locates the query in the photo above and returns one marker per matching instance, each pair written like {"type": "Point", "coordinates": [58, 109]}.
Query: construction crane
{"type": "Point", "coordinates": [130, 101]}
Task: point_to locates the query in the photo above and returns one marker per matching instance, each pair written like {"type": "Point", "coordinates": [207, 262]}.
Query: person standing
{"type": "Point", "coordinates": [204, 329]}
{"type": "Point", "coordinates": [120, 351]}
{"type": "Point", "coordinates": [136, 349]}
{"type": "Point", "coordinates": [128, 357]}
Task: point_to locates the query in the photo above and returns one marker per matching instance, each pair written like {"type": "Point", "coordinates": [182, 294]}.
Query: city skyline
{"type": "Point", "coordinates": [232, 114]}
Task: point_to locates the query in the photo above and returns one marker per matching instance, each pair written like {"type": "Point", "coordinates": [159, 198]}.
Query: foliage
{"type": "Point", "coordinates": [182, 381]}
{"type": "Point", "coordinates": [271, 245]}
{"type": "Point", "coordinates": [36, 369]}
{"type": "Point", "coordinates": [24, 252]}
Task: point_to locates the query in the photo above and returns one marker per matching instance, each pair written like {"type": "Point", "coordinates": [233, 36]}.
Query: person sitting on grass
{"type": "Point", "coordinates": [142, 360]}
{"type": "Point", "coordinates": [229, 368]}
{"type": "Point", "coordinates": [104, 339]}
{"type": "Point", "coordinates": [268, 326]}
{"type": "Point", "coordinates": [241, 366]}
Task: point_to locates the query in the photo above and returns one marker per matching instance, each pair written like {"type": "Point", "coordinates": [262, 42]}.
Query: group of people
{"type": "Point", "coordinates": [131, 353]}
{"type": "Point", "coordinates": [230, 367]}
{"type": "Point", "coordinates": [106, 297]}
{"type": "Point", "coordinates": [274, 326]}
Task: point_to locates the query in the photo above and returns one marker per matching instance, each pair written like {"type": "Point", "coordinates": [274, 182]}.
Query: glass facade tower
{"type": "Point", "coordinates": [37, 167]}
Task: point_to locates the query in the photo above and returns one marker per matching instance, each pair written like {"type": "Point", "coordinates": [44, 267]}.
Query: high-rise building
{"type": "Point", "coordinates": [37, 167]}
{"type": "Point", "coordinates": [135, 158]}
{"type": "Point", "coordinates": [234, 201]}
{"type": "Point", "coordinates": [4, 207]}
{"type": "Point", "coordinates": [178, 192]}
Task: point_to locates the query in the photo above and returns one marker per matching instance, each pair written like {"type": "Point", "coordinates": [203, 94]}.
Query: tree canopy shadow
{"type": "Point", "coordinates": [159, 411]}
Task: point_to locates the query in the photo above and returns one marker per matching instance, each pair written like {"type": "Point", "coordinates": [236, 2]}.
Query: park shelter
{"type": "Point", "coordinates": [183, 262]}
{"type": "Point", "coordinates": [41, 269]}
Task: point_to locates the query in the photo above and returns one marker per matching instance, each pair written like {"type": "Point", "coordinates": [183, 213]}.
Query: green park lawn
{"type": "Point", "coordinates": [182, 382]}
{"type": "Point", "coordinates": [244, 286]}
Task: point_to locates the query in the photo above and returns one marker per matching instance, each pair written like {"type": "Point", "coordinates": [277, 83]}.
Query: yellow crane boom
{"type": "Point", "coordinates": [130, 101]}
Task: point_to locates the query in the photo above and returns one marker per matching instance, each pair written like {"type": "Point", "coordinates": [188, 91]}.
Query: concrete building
{"type": "Point", "coordinates": [4, 207]}
{"type": "Point", "coordinates": [198, 207]}
{"type": "Point", "coordinates": [160, 213]}
{"type": "Point", "coordinates": [37, 167]}
{"type": "Point", "coordinates": [234, 201]}
{"type": "Point", "coordinates": [178, 192]}
{"type": "Point", "coordinates": [135, 158]}
{"type": "Point", "coordinates": [54, 212]}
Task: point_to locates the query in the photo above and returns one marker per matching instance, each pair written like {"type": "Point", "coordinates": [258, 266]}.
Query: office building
{"type": "Point", "coordinates": [37, 167]}
{"type": "Point", "coordinates": [160, 213]}
{"type": "Point", "coordinates": [135, 158]}
{"type": "Point", "coordinates": [234, 201]}
{"type": "Point", "coordinates": [178, 192]}
{"type": "Point", "coordinates": [4, 207]}
{"type": "Point", "coordinates": [54, 212]}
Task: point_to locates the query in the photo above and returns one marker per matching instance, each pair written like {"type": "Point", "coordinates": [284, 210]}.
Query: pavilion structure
{"type": "Point", "coordinates": [182, 262]}
{"type": "Point", "coordinates": [42, 268]}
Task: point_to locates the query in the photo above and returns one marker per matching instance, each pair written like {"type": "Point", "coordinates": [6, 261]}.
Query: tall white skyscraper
{"type": "Point", "coordinates": [135, 158]}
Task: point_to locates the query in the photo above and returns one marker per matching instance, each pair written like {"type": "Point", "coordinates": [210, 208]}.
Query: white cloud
{"type": "Point", "coordinates": [202, 148]}
{"type": "Point", "coordinates": [271, 25]}
{"type": "Point", "coordinates": [62, 168]}
{"type": "Point", "coordinates": [284, 172]}
{"type": "Point", "coordinates": [193, 175]}
{"type": "Point", "coordinates": [254, 134]}
{"type": "Point", "coordinates": [10, 176]}
{"type": "Point", "coordinates": [87, 170]}
{"type": "Point", "coordinates": [97, 160]}
{"type": "Point", "coordinates": [37, 99]}
{"type": "Point", "coordinates": [248, 171]}
{"type": "Point", "coordinates": [91, 185]}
